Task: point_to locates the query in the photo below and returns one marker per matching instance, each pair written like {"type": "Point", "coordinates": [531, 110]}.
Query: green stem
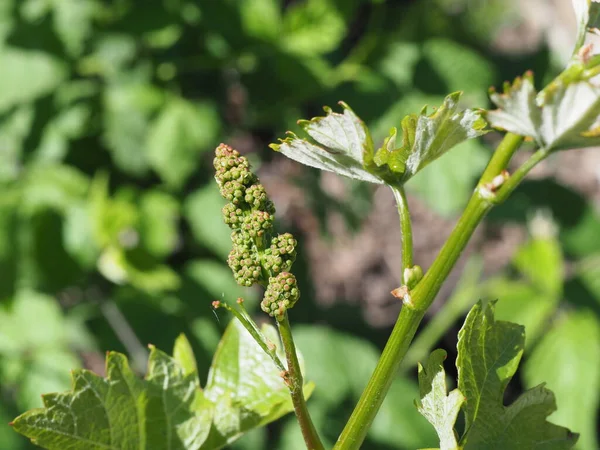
{"type": "Point", "coordinates": [405, 228]}
{"type": "Point", "coordinates": [501, 157]}
{"type": "Point", "coordinates": [464, 296]}
{"type": "Point", "coordinates": [424, 293]}
{"type": "Point", "coordinates": [360, 421]}
{"type": "Point", "coordinates": [258, 337]}
{"type": "Point", "coordinates": [421, 298]}
{"type": "Point", "coordinates": [513, 181]}
{"type": "Point", "coordinates": [295, 382]}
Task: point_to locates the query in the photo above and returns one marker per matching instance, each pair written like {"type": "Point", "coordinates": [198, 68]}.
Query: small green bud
{"type": "Point", "coordinates": [281, 295]}
{"type": "Point", "coordinates": [412, 275]}
{"type": "Point", "coordinates": [245, 265]}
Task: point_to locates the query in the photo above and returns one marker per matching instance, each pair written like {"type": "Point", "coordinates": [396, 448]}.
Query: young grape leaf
{"type": "Point", "coordinates": [564, 115]}
{"type": "Point", "coordinates": [518, 111]}
{"type": "Point", "coordinates": [344, 145]}
{"type": "Point", "coordinates": [587, 13]}
{"type": "Point", "coordinates": [489, 352]}
{"type": "Point", "coordinates": [427, 137]}
{"type": "Point", "coordinates": [344, 142]}
{"type": "Point", "coordinates": [167, 409]}
{"type": "Point", "coordinates": [438, 406]}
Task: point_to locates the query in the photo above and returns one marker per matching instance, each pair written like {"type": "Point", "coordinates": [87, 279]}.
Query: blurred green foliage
{"type": "Point", "coordinates": [109, 111]}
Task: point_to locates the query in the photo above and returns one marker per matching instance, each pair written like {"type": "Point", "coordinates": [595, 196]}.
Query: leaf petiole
{"type": "Point", "coordinates": [250, 326]}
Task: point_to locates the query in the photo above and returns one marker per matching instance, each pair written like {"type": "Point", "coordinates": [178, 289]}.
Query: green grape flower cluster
{"type": "Point", "coordinates": [280, 256]}
{"type": "Point", "coordinates": [245, 265]}
{"type": "Point", "coordinates": [282, 293]}
{"type": "Point", "coordinates": [257, 257]}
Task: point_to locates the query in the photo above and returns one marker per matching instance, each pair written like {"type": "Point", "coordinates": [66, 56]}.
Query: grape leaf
{"type": "Point", "coordinates": [36, 341]}
{"type": "Point", "coordinates": [489, 352]}
{"type": "Point", "coordinates": [312, 27]}
{"type": "Point", "coordinates": [346, 147]}
{"type": "Point", "coordinates": [128, 108]}
{"type": "Point", "coordinates": [541, 261]}
{"type": "Point", "coordinates": [159, 216]}
{"type": "Point", "coordinates": [167, 409]}
{"type": "Point", "coordinates": [344, 139]}
{"type": "Point", "coordinates": [180, 133]}
{"type": "Point", "coordinates": [436, 405]}
{"type": "Point", "coordinates": [564, 115]}
{"type": "Point", "coordinates": [261, 19]}
{"type": "Point", "coordinates": [587, 13]}
{"type": "Point", "coordinates": [27, 75]}
{"type": "Point", "coordinates": [73, 22]}
{"type": "Point", "coordinates": [427, 137]}
{"type": "Point", "coordinates": [571, 347]}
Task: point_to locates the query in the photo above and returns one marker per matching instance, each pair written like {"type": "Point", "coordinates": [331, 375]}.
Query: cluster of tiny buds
{"type": "Point", "coordinates": [231, 166]}
{"type": "Point", "coordinates": [281, 295]}
{"type": "Point", "coordinates": [245, 265]}
{"type": "Point", "coordinates": [256, 224]}
{"type": "Point", "coordinates": [255, 257]}
{"type": "Point", "coordinates": [281, 254]}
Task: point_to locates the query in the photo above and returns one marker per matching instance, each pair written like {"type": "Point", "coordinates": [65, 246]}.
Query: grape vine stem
{"type": "Point", "coordinates": [422, 296]}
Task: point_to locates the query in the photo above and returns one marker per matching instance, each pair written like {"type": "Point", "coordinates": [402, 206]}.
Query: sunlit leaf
{"type": "Point", "coordinates": [54, 187]}
{"type": "Point", "coordinates": [565, 115]}
{"type": "Point", "coordinates": [202, 209]}
{"type": "Point", "coordinates": [568, 359]}
{"type": "Point", "coordinates": [68, 124]}
{"type": "Point", "coordinates": [489, 352]}
{"type": "Point", "coordinates": [182, 131]}
{"type": "Point", "coordinates": [541, 261]}
{"type": "Point", "coordinates": [73, 22]}
{"type": "Point", "coordinates": [312, 27]}
{"type": "Point", "coordinates": [13, 132]}
{"type": "Point", "coordinates": [36, 346]}
{"type": "Point", "coordinates": [127, 111]}
{"type": "Point", "coordinates": [159, 215]}
{"type": "Point", "coordinates": [344, 145]}
{"type": "Point", "coordinates": [166, 409]}
{"type": "Point", "coordinates": [438, 406]}
{"type": "Point", "coordinates": [261, 18]}
{"type": "Point", "coordinates": [587, 14]}
{"type": "Point", "coordinates": [27, 75]}
{"type": "Point", "coordinates": [426, 137]}
{"type": "Point", "coordinates": [460, 68]}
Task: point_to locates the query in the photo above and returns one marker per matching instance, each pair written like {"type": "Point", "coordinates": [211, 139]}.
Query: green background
{"type": "Point", "coordinates": [110, 228]}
